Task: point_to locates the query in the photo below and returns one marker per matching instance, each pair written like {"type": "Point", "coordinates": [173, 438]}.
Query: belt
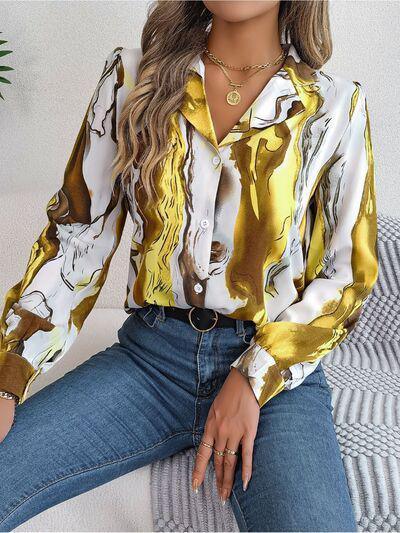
{"type": "Point", "coordinates": [202, 318]}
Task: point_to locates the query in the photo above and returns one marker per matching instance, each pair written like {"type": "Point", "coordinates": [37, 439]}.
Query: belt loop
{"type": "Point", "coordinates": [161, 312]}
{"type": "Point", "coordinates": [239, 327]}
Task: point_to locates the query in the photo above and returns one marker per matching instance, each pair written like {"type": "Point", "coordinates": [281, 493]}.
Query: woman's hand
{"type": "Point", "coordinates": [7, 412]}
{"type": "Point", "coordinates": [232, 420]}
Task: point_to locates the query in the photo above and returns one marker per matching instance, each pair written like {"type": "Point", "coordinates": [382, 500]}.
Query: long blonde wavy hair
{"type": "Point", "coordinates": [174, 33]}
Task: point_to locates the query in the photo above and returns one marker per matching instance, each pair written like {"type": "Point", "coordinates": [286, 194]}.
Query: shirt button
{"type": "Point", "coordinates": [204, 223]}
{"type": "Point", "coordinates": [216, 160]}
{"type": "Point", "coordinates": [198, 288]}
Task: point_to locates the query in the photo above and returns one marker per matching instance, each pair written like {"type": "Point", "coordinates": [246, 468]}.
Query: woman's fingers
{"type": "Point", "coordinates": [230, 461]}
{"type": "Point", "coordinates": [203, 455]}
{"type": "Point", "coordinates": [219, 446]}
{"type": "Point", "coordinates": [247, 458]}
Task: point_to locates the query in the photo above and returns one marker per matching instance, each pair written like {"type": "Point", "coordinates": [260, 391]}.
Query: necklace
{"type": "Point", "coordinates": [233, 96]}
{"type": "Point", "coordinates": [246, 67]}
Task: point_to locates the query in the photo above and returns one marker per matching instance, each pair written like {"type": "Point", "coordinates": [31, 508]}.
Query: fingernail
{"type": "Point", "coordinates": [245, 482]}
{"type": "Point", "coordinates": [224, 497]}
{"type": "Point", "coordinates": [196, 485]}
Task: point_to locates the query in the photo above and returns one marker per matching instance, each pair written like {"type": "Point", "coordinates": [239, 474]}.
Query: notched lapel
{"type": "Point", "coordinates": [284, 96]}
{"type": "Point", "coordinates": [195, 109]}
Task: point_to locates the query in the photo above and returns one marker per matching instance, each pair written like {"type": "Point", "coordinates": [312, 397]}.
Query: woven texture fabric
{"type": "Point", "coordinates": [364, 375]}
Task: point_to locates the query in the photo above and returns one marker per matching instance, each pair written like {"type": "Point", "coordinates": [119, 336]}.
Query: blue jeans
{"type": "Point", "coordinates": [147, 397]}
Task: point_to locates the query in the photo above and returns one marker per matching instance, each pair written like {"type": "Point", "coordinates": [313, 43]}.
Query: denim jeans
{"type": "Point", "coordinates": [147, 397]}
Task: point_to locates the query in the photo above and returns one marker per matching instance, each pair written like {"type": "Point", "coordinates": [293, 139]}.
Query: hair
{"type": "Point", "coordinates": [179, 31]}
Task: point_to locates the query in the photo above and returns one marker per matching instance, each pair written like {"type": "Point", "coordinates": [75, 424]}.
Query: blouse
{"type": "Point", "coordinates": [276, 224]}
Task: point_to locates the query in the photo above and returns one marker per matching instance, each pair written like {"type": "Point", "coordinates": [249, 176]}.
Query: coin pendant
{"type": "Point", "coordinates": [233, 97]}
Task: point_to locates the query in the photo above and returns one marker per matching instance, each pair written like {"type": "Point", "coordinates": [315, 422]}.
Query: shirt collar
{"type": "Point", "coordinates": [284, 96]}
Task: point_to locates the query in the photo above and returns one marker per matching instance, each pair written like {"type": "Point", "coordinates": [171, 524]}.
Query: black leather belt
{"type": "Point", "coordinates": [201, 318]}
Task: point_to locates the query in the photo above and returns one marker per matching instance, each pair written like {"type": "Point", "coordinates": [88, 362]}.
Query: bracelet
{"type": "Point", "coordinates": [9, 396]}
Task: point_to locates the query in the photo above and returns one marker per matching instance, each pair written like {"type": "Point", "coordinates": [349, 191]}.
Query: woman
{"type": "Point", "coordinates": [248, 174]}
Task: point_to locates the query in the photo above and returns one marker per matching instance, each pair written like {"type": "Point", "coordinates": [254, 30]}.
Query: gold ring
{"type": "Point", "coordinates": [218, 452]}
{"type": "Point", "coordinates": [232, 452]}
{"type": "Point", "coordinates": [206, 444]}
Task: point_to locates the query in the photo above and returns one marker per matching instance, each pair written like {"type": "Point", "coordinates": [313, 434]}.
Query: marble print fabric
{"type": "Point", "coordinates": [276, 223]}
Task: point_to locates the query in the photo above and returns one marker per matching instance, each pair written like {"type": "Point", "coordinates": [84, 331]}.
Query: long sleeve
{"type": "Point", "coordinates": [69, 262]}
{"type": "Point", "coordinates": [341, 266]}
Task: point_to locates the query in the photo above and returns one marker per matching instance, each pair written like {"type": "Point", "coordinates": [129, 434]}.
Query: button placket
{"type": "Point", "coordinates": [205, 222]}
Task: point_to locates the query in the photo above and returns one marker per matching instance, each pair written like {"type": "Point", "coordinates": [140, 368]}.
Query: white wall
{"type": "Point", "coordinates": [366, 40]}
{"type": "Point", "coordinates": [59, 52]}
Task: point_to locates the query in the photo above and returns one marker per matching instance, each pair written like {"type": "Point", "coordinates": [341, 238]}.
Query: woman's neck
{"type": "Point", "coordinates": [246, 42]}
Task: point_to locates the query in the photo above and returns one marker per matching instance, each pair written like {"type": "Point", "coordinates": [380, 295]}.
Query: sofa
{"type": "Point", "coordinates": [363, 373]}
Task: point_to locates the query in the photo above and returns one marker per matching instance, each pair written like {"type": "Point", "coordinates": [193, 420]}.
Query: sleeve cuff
{"type": "Point", "coordinates": [16, 374]}
{"type": "Point", "coordinates": [264, 375]}
{"type": "Point", "coordinates": [299, 372]}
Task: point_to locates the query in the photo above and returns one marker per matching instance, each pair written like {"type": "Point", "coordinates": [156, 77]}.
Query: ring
{"type": "Point", "coordinates": [218, 452]}
{"type": "Point", "coordinates": [206, 444]}
{"type": "Point", "coordinates": [232, 452]}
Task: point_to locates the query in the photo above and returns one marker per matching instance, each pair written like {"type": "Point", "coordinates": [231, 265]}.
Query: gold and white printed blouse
{"type": "Point", "coordinates": [276, 224]}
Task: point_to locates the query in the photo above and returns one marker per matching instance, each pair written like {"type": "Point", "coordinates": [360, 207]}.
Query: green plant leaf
{"type": "Point", "coordinates": [4, 68]}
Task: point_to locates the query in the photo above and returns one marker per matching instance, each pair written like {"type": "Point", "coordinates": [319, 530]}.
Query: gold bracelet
{"type": "Point", "coordinates": [9, 396]}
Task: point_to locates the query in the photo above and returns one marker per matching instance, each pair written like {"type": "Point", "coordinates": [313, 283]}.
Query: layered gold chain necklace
{"type": "Point", "coordinates": [233, 96]}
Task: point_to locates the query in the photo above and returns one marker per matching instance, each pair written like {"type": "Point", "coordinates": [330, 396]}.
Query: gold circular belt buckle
{"type": "Point", "coordinates": [215, 318]}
